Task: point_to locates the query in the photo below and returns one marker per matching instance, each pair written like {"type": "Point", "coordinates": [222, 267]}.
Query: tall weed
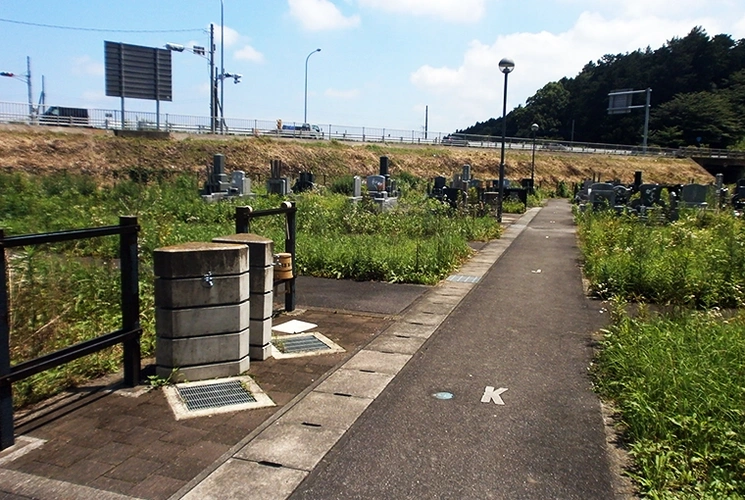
{"type": "Point", "coordinates": [68, 292]}
{"type": "Point", "coordinates": [678, 382]}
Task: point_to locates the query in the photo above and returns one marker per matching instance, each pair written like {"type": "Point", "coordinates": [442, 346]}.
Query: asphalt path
{"type": "Point", "coordinates": [522, 423]}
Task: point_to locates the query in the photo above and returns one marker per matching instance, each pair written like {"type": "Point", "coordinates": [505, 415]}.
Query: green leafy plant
{"type": "Point", "coordinates": [156, 381]}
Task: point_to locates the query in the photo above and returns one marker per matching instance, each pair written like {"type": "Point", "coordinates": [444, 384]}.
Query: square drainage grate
{"type": "Point", "coordinates": [216, 395]}
{"type": "Point", "coordinates": [459, 278]}
{"type": "Point", "coordinates": [288, 345]}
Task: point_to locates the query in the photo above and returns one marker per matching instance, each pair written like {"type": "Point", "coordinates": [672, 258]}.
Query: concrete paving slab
{"type": "Point", "coordinates": [355, 383]}
{"type": "Point", "coordinates": [377, 361]}
{"type": "Point", "coordinates": [407, 329]}
{"type": "Point", "coordinates": [239, 480]}
{"type": "Point", "coordinates": [327, 410]}
{"type": "Point", "coordinates": [404, 344]}
{"type": "Point", "coordinates": [296, 446]}
{"type": "Point", "coordinates": [425, 318]}
{"type": "Point", "coordinates": [429, 308]}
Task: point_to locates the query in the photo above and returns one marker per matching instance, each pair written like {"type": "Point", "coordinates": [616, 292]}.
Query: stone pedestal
{"type": "Point", "coordinates": [202, 310]}
{"type": "Point", "coordinates": [261, 269]}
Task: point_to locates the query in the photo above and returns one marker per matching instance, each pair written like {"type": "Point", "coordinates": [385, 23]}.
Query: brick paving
{"type": "Point", "coordinates": [114, 441]}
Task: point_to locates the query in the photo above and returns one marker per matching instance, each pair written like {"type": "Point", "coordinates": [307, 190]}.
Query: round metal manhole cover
{"type": "Point", "coordinates": [443, 395]}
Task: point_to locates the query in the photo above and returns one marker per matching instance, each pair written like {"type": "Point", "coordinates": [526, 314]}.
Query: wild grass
{"type": "Point", "coordinates": [678, 382]}
{"type": "Point", "coordinates": [68, 292]}
{"type": "Point", "coordinates": [699, 260]}
{"type": "Point", "coordinates": [677, 378]}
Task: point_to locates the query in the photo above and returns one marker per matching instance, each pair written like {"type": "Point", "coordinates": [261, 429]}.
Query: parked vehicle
{"type": "Point", "coordinates": [454, 140]}
{"type": "Point", "coordinates": [60, 115]}
{"type": "Point", "coordinates": [304, 131]}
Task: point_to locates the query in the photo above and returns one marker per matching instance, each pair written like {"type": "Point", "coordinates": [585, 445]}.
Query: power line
{"type": "Point", "coordinates": [98, 29]}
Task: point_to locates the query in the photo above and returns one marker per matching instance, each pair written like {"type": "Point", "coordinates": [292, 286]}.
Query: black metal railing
{"type": "Point", "coordinates": [128, 335]}
{"type": "Point", "coordinates": [243, 216]}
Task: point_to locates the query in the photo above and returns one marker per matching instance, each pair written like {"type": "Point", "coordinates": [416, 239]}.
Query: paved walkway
{"type": "Point", "coordinates": [478, 389]}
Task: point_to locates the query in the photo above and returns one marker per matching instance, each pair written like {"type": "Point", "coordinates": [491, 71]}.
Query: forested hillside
{"type": "Point", "coordinates": [697, 99]}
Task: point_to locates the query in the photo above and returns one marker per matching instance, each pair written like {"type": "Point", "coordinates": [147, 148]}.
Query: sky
{"type": "Point", "coordinates": [395, 64]}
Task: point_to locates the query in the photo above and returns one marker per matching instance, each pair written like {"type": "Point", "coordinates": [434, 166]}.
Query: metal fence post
{"type": "Point", "coordinates": [6, 391]}
{"type": "Point", "coordinates": [290, 247]}
{"type": "Point", "coordinates": [242, 219]}
{"type": "Point", "coordinates": [130, 299]}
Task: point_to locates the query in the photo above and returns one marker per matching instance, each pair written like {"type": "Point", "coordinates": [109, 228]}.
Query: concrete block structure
{"type": "Point", "coordinates": [202, 310]}
{"type": "Point", "coordinates": [261, 271]}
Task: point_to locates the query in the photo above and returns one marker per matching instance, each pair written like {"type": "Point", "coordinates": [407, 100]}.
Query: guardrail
{"type": "Point", "coordinates": [128, 335]}
{"type": "Point", "coordinates": [142, 120]}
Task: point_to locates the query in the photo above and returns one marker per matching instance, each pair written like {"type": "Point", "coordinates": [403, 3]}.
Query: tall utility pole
{"type": "Point", "coordinates": [213, 82]}
{"type": "Point", "coordinates": [30, 92]}
{"type": "Point", "coordinates": [42, 98]}
{"type": "Point", "coordinates": [222, 64]}
{"type": "Point", "coordinates": [426, 121]}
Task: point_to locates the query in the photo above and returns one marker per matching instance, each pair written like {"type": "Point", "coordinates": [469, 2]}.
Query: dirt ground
{"type": "Point", "coordinates": [44, 150]}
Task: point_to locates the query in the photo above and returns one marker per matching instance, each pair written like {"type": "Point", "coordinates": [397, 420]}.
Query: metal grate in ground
{"type": "Point", "coordinates": [459, 278]}
{"type": "Point", "coordinates": [215, 395]}
{"type": "Point", "coordinates": [303, 343]}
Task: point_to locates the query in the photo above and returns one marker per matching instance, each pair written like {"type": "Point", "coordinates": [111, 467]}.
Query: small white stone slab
{"type": "Point", "coordinates": [294, 326]}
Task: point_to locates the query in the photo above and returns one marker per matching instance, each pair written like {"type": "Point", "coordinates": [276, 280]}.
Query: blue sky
{"type": "Point", "coordinates": [381, 61]}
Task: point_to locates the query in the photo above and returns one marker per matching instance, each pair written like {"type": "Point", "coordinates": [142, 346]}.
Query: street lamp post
{"type": "Point", "coordinates": [305, 112]}
{"type": "Point", "coordinates": [505, 66]}
{"type": "Point", "coordinates": [201, 52]}
{"type": "Point", "coordinates": [534, 128]}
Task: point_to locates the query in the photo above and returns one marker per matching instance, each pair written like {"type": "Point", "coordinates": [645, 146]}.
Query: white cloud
{"type": "Point", "coordinates": [342, 94]}
{"type": "Point", "coordinates": [321, 15]}
{"type": "Point", "coordinates": [449, 10]}
{"type": "Point", "coordinates": [643, 8]}
{"type": "Point", "coordinates": [738, 30]}
{"type": "Point", "coordinates": [473, 91]}
{"type": "Point", "coordinates": [230, 35]}
{"type": "Point", "coordinates": [84, 65]}
{"type": "Point", "coordinates": [248, 53]}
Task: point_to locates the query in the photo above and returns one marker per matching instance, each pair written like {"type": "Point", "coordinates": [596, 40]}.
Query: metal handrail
{"type": "Point", "coordinates": [128, 335]}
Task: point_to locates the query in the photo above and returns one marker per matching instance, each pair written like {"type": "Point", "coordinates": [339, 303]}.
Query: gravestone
{"type": "Point", "coordinates": [277, 184]}
{"type": "Point", "coordinates": [376, 186]}
{"type": "Point", "coordinates": [217, 184]}
{"type": "Point", "coordinates": [583, 194]}
{"type": "Point", "coordinates": [602, 195]}
{"type": "Point", "coordinates": [651, 194]}
{"type": "Point", "coordinates": [694, 196]}
{"type": "Point", "coordinates": [738, 197]}
{"type": "Point", "coordinates": [305, 182]}
{"type": "Point", "coordinates": [240, 184]}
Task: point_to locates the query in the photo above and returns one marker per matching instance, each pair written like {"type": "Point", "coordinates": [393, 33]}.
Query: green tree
{"type": "Point", "coordinates": [701, 118]}
{"type": "Point", "coordinates": [548, 108]}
